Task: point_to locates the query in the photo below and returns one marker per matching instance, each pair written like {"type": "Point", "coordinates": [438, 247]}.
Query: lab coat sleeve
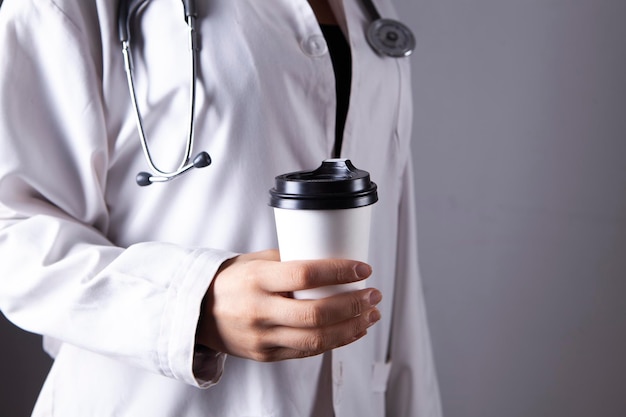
{"type": "Point", "coordinates": [412, 387]}
{"type": "Point", "coordinates": [59, 274]}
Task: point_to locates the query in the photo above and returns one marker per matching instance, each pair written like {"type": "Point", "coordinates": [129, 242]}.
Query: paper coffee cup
{"type": "Point", "coordinates": [324, 214]}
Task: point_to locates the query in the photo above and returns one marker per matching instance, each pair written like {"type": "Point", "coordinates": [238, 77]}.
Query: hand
{"type": "Point", "coordinates": [248, 311]}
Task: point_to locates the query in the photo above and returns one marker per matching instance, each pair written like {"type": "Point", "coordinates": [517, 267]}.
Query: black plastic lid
{"type": "Point", "coordinates": [336, 184]}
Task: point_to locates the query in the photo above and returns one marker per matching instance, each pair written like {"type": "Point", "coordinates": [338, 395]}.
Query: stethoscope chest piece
{"type": "Point", "coordinates": [390, 37]}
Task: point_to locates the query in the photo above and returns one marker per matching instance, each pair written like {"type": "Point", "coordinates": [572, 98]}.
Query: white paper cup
{"type": "Point", "coordinates": [324, 214]}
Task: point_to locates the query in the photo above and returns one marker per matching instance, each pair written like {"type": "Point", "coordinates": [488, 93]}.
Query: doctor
{"type": "Point", "coordinates": [167, 300]}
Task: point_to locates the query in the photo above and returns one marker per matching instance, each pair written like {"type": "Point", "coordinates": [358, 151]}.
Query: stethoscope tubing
{"type": "Point", "coordinates": [126, 13]}
{"type": "Point", "coordinates": [387, 37]}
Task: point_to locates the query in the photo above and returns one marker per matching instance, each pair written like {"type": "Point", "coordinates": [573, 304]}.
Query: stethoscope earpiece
{"type": "Point", "coordinates": [199, 161]}
{"type": "Point", "coordinates": [143, 179]}
{"type": "Point", "coordinates": [202, 160]}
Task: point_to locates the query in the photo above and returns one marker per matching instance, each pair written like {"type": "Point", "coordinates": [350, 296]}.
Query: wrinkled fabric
{"type": "Point", "coordinates": [112, 275]}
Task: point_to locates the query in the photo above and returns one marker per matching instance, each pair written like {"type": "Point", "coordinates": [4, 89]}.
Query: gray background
{"type": "Point", "coordinates": [520, 151]}
{"type": "Point", "coordinates": [520, 147]}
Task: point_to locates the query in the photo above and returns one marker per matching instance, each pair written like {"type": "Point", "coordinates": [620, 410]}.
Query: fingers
{"type": "Point", "coordinates": [281, 343]}
{"type": "Point", "coordinates": [246, 314]}
{"type": "Point", "coordinates": [315, 341]}
{"type": "Point", "coordinates": [305, 328]}
{"type": "Point", "coordinates": [300, 275]}
{"type": "Point", "coordinates": [327, 311]}
{"type": "Point", "coordinates": [266, 272]}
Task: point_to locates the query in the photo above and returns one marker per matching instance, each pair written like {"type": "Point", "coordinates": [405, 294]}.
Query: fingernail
{"type": "Point", "coordinates": [362, 270]}
{"type": "Point", "coordinates": [374, 316]}
{"type": "Point", "coordinates": [375, 297]}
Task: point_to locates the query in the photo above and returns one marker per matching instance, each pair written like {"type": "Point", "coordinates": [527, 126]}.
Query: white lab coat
{"type": "Point", "coordinates": [113, 274]}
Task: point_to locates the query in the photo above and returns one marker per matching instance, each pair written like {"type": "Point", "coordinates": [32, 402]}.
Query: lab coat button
{"type": "Point", "coordinates": [314, 45]}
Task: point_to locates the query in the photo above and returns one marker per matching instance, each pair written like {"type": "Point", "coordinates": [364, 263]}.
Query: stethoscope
{"type": "Point", "coordinates": [387, 37]}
